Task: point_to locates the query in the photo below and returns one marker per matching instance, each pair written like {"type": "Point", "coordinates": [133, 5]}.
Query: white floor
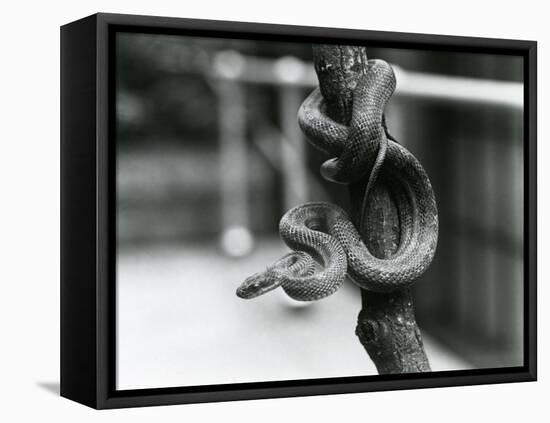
{"type": "Point", "coordinates": [181, 324]}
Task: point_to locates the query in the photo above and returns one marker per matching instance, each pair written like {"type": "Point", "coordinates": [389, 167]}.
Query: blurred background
{"type": "Point", "coordinates": [209, 157]}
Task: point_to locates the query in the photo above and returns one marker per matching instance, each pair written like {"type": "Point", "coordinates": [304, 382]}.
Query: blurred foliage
{"type": "Point", "coordinates": [473, 65]}
{"type": "Point", "coordinates": [163, 88]}
{"type": "Point", "coordinates": [164, 92]}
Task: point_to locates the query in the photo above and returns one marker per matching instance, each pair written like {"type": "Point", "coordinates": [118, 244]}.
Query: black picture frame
{"type": "Point", "coordinates": [87, 212]}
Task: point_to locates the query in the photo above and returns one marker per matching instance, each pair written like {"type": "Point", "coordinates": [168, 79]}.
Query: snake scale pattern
{"type": "Point", "coordinates": [323, 233]}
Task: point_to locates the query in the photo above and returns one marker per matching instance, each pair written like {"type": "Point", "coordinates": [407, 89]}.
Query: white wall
{"type": "Point", "coordinates": [29, 178]}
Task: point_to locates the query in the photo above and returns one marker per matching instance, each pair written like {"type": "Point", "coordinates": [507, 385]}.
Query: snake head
{"type": "Point", "coordinates": [256, 285]}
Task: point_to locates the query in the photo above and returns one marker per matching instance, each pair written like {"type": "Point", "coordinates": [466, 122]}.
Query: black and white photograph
{"type": "Point", "coordinates": [277, 212]}
{"type": "Point", "coordinates": [295, 211]}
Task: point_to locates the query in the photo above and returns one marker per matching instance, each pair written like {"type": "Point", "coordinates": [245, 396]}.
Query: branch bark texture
{"type": "Point", "coordinates": [386, 325]}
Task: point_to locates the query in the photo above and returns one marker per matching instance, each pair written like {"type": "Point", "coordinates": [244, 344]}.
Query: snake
{"type": "Point", "coordinates": [323, 233]}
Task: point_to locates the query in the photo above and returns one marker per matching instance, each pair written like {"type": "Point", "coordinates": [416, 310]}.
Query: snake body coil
{"type": "Point", "coordinates": [324, 232]}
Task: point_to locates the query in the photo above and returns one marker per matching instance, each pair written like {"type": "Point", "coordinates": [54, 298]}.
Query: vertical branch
{"type": "Point", "coordinates": [386, 325]}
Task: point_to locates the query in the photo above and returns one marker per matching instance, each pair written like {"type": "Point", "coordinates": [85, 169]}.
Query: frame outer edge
{"type": "Point", "coordinates": [78, 213]}
{"type": "Point", "coordinates": [531, 202]}
{"type": "Point", "coordinates": [104, 301]}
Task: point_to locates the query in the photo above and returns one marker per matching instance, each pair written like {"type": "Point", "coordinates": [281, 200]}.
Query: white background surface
{"type": "Point", "coordinates": [270, 338]}
{"type": "Point", "coordinates": [29, 178]}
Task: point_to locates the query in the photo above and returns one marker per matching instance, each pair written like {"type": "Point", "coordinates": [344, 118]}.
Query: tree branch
{"type": "Point", "coordinates": [386, 325]}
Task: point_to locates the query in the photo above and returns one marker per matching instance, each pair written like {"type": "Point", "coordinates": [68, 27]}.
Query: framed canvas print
{"type": "Point", "coordinates": [255, 211]}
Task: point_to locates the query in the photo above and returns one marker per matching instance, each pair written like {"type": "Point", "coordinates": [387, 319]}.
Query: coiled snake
{"type": "Point", "coordinates": [323, 232]}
